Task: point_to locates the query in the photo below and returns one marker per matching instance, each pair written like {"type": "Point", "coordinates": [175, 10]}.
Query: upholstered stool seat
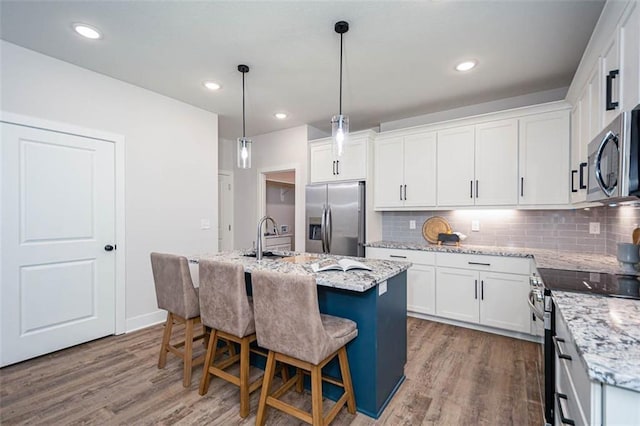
{"type": "Point", "coordinates": [228, 311]}
{"type": "Point", "coordinates": [176, 294]}
{"type": "Point", "coordinates": [289, 324]}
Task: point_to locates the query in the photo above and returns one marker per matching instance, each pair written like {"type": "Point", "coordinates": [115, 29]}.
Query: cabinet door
{"type": "Point", "coordinates": [496, 163]}
{"type": "Point", "coordinates": [630, 57]}
{"type": "Point", "coordinates": [457, 294]}
{"type": "Point", "coordinates": [420, 170]}
{"type": "Point", "coordinates": [421, 289]}
{"type": "Point", "coordinates": [544, 158]}
{"type": "Point", "coordinates": [610, 62]}
{"type": "Point", "coordinates": [503, 301]}
{"type": "Point", "coordinates": [456, 166]}
{"type": "Point", "coordinates": [352, 165]}
{"type": "Point", "coordinates": [577, 150]}
{"type": "Point", "coordinates": [321, 162]}
{"type": "Point", "coordinates": [596, 103]}
{"type": "Point", "coordinates": [389, 165]}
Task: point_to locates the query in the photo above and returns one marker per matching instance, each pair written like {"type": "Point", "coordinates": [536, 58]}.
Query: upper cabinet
{"type": "Point", "coordinates": [544, 159]}
{"type": "Point", "coordinates": [352, 165]}
{"type": "Point", "coordinates": [629, 44]}
{"type": "Point", "coordinates": [405, 171]}
{"type": "Point", "coordinates": [478, 165]}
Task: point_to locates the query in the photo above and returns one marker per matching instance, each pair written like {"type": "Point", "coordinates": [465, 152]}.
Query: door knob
{"type": "Point", "coordinates": [109, 247]}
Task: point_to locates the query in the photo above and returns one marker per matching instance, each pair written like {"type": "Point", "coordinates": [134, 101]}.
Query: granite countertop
{"type": "Point", "coordinates": [354, 280]}
{"type": "Point", "coordinates": [606, 330]}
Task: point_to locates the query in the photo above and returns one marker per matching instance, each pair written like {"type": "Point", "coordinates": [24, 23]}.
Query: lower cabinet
{"type": "Point", "coordinates": [488, 298]}
{"type": "Point", "coordinates": [421, 289]}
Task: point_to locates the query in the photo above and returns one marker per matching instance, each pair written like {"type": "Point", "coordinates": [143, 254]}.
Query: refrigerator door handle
{"type": "Point", "coordinates": [323, 227]}
{"type": "Point", "coordinates": [329, 231]}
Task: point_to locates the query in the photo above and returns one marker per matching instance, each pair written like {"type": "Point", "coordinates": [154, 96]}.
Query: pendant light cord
{"type": "Point", "coordinates": [340, 108]}
{"type": "Point", "coordinates": [243, 127]}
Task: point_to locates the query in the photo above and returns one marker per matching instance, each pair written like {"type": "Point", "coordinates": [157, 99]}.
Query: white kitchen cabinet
{"type": "Point", "coordinates": [503, 301]}
{"type": "Point", "coordinates": [478, 165]}
{"type": "Point", "coordinates": [496, 163]}
{"type": "Point", "coordinates": [457, 294]}
{"type": "Point", "coordinates": [421, 292]}
{"type": "Point", "coordinates": [325, 167]}
{"type": "Point", "coordinates": [544, 142]}
{"type": "Point", "coordinates": [456, 171]}
{"type": "Point", "coordinates": [629, 43]}
{"type": "Point", "coordinates": [610, 81]}
{"type": "Point", "coordinates": [405, 171]}
{"type": "Point", "coordinates": [578, 157]}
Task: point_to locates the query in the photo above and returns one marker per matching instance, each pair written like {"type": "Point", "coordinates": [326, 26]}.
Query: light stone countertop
{"type": "Point", "coordinates": [606, 330]}
{"type": "Point", "coordinates": [353, 280]}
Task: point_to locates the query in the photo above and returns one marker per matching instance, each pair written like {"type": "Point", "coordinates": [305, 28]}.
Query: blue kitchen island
{"type": "Point", "coordinates": [376, 300]}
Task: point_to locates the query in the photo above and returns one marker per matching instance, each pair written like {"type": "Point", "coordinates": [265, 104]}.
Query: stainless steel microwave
{"type": "Point", "coordinates": [614, 160]}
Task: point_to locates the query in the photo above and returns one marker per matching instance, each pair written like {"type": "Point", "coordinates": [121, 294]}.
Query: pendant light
{"type": "Point", "coordinates": [340, 123]}
{"type": "Point", "coordinates": [244, 143]}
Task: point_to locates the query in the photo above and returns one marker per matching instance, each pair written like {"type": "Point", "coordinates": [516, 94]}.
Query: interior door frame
{"type": "Point", "coordinates": [118, 141]}
{"type": "Point", "coordinates": [229, 174]}
{"type": "Point", "coordinates": [261, 205]}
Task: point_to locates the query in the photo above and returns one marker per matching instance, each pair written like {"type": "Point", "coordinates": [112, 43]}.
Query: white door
{"type": "Point", "coordinates": [352, 165]}
{"type": "Point", "coordinates": [497, 163]}
{"type": "Point", "coordinates": [389, 177]}
{"type": "Point", "coordinates": [225, 212]}
{"type": "Point", "coordinates": [503, 301]}
{"type": "Point", "coordinates": [420, 170]}
{"type": "Point", "coordinates": [457, 294]}
{"type": "Point", "coordinates": [58, 215]}
{"type": "Point", "coordinates": [456, 172]}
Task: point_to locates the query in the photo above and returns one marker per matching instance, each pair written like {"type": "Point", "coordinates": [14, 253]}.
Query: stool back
{"type": "Point", "coordinates": [287, 315]}
{"type": "Point", "coordinates": [224, 304]}
{"type": "Point", "coordinates": [174, 288]}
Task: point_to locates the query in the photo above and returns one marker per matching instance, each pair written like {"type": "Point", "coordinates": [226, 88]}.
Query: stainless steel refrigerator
{"type": "Point", "coordinates": [335, 218]}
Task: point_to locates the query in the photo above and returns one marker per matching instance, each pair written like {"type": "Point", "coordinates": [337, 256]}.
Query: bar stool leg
{"type": "Point", "coordinates": [300, 380]}
{"type": "Point", "coordinates": [346, 379]}
{"type": "Point", "coordinates": [316, 395]}
{"type": "Point", "coordinates": [211, 354]}
{"type": "Point", "coordinates": [166, 337]}
{"type": "Point", "coordinates": [188, 353]}
{"type": "Point", "coordinates": [266, 384]}
{"type": "Point", "coordinates": [244, 377]}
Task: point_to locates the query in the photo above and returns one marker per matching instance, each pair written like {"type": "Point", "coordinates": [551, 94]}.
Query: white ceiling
{"type": "Point", "coordinates": [399, 55]}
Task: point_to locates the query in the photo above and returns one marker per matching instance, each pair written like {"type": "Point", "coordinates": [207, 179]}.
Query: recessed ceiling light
{"type": "Point", "coordinates": [86, 31]}
{"type": "Point", "coordinates": [211, 85]}
{"type": "Point", "coordinates": [466, 65]}
{"type": "Point", "coordinates": [280, 115]}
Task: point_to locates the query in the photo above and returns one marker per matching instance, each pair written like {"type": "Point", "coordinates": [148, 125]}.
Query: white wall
{"type": "Point", "coordinates": [274, 151]}
{"type": "Point", "coordinates": [280, 204]}
{"type": "Point", "coordinates": [171, 158]}
{"type": "Point", "coordinates": [226, 154]}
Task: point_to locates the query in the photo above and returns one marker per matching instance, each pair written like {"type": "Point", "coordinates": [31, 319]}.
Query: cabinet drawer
{"type": "Point", "coordinates": [414, 256]}
{"type": "Point", "coordinates": [567, 355]}
{"type": "Point", "coordinates": [480, 262]}
{"type": "Point", "coordinates": [567, 404]}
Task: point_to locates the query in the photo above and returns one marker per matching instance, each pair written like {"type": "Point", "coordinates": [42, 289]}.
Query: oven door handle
{"type": "Point", "coordinates": [537, 312]}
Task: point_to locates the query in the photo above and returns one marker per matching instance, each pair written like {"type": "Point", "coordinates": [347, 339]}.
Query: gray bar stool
{"type": "Point", "coordinates": [226, 309]}
{"type": "Point", "coordinates": [290, 325]}
{"type": "Point", "coordinates": [176, 294]}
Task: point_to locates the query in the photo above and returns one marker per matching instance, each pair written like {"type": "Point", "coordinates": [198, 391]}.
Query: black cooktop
{"type": "Point", "coordinates": [625, 286]}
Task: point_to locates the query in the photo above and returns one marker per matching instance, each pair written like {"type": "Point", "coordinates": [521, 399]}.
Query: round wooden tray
{"type": "Point", "coordinates": [434, 226]}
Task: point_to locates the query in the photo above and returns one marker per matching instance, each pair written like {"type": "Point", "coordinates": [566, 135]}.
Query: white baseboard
{"type": "Point", "coordinates": [508, 333]}
{"type": "Point", "coordinates": [146, 320]}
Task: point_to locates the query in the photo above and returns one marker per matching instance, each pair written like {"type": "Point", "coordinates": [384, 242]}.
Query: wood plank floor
{"type": "Point", "coordinates": [455, 376]}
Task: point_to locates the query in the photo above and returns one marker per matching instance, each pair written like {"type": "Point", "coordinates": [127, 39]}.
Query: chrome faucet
{"type": "Point", "coordinates": [259, 238]}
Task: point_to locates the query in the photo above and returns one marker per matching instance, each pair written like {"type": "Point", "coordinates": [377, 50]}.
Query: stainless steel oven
{"type": "Point", "coordinates": [614, 159]}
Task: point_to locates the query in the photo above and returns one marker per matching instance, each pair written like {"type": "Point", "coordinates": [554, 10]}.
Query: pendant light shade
{"type": "Point", "coordinates": [340, 122]}
{"type": "Point", "coordinates": [244, 143]}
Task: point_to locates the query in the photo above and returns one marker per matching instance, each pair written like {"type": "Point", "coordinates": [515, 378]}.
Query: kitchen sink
{"type": "Point", "coordinates": [267, 255]}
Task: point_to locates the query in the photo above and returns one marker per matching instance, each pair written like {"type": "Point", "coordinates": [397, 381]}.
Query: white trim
{"type": "Point", "coordinates": [229, 174]}
{"type": "Point", "coordinates": [508, 333]}
{"type": "Point", "coordinates": [146, 320]}
{"type": "Point", "coordinates": [300, 197]}
{"type": "Point", "coordinates": [118, 140]}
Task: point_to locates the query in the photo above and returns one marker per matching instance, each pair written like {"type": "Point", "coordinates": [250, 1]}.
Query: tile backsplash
{"type": "Point", "coordinates": [566, 230]}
